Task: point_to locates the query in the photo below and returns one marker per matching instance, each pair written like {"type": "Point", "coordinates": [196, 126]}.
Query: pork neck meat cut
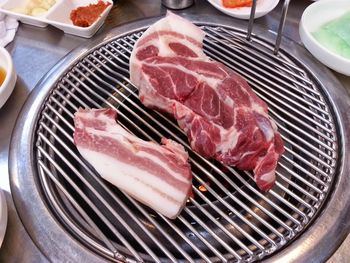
{"type": "Point", "coordinates": [219, 112]}
{"type": "Point", "coordinates": [157, 175]}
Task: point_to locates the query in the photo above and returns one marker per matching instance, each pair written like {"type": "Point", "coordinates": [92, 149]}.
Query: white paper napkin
{"type": "Point", "coordinates": [8, 28]}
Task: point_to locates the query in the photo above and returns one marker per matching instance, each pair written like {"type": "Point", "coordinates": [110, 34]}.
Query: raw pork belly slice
{"type": "Point", "coordinates": [221, 115]}
{"type": "Point", "coordinates": [159, 176]}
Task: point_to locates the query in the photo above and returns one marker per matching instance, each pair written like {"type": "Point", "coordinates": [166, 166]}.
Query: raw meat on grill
{"type": "Point", "coordinates": [159, 176]}
{"type": "Point", "coordinates": [217, 109]}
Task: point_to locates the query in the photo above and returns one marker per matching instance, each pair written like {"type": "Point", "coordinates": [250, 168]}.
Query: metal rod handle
{"type": "Point", "coordinates": [281, 26]}
{"type": "Point", "coordinates": [251, 20]}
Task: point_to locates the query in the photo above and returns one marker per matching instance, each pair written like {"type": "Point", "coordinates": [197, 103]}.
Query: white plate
{"type": "Point", "coordinates": [262, 8]}
{"type": "Point", "coordinates": [58, 15]}
{"type": "Point", "coordinates": [315, 16]}
{"type": "Point", "coordinates": [10, 80]}
{"type": "Point", "coordinates": [3, 216]}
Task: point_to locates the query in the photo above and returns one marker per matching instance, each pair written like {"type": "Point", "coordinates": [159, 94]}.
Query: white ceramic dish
{"type": "Point", "coordinates": [58, 15]}
{"type": "Point", "coordinates": [262, 8]}
{"type": "Point", "coordinates": [315, 16]}
{"type": "Point", "coordinates": [3, 216]}
{"type": "Point", "coordinates": [10, 80]}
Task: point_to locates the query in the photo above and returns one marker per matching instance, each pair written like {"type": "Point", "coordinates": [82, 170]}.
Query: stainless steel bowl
{"type": "Point", "coordinates": [177, 4]}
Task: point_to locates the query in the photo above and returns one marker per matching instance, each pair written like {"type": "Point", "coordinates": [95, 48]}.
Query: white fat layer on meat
{"type": "Point", "coordinates": [162, 102]}
{"type": "Point", "coordinates": [115, 132]}
{"type": "Point", "coordinates": [257, 108]}
{"type": "Point", "coordinates": [183, 26]}
{"type": "Point", "coordinates": [177, 24]}
{"type": "Point", "coordinates": [139, 183]}
{"type": "Point", "coordinates": [135, 74]}
{"type": "Point", "coordinates": [164, 50]}
{"type": "Point", "coordinates": [229, 101]}
{"type": "Point", "coordinates": [162, 164]}
{"type": "Point", "coordinates": [211, 81]}
{"type": "Point", "coordinates": [247, 153]}
{"type": "Point", "coordinates": [267, 130]}
{"type": "Point", "coordinates": [145, 87]}
{"type": "Point", "coordinates": [230, 142]}
{"type": "Point", "coordinates": [273, 124]}
{"type": "Point", "coordinates": [108, 121]}
{"type": "Point", "coordinates": [268, 177]}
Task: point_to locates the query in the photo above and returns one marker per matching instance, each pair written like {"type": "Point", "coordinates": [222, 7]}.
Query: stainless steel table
{"type": "Point", "coordinates": [36, 50]}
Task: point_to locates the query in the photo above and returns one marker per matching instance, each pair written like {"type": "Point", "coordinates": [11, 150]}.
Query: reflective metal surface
{"type": "Point", "coordinates": [36, 50]}
{"type": "Point", "coordinates": [310, 123]}
{"type": "Point", "coordinates": [100, 78]}
{"type": "Point", "coordinates": [177, 4]}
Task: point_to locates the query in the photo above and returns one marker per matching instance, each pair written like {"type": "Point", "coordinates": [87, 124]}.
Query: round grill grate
{"type": "Point", "coordinates": [228, 218]}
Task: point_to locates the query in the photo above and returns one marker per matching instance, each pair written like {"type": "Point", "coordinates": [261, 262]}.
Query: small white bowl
{"type": "Point", "coordinates": [58, 15]}
{"type": "Point", "coordinates": [316, 15]}
{"type": "Point", "coordinates": [3, 216]}
{"type": "Point", "coordinates": [262, 8]}
{"type": "Point", "coordinates": [10, 80]}
{"type": "Point", "coordinates": [7, 6]}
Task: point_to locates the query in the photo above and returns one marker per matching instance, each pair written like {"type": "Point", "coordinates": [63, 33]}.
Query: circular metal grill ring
{"type": "Point", "coordinates": [228, 219]}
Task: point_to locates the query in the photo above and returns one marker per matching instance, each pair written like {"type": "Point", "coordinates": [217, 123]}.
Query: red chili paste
{"type": "Point", "coordinates": [237, 3]}
{"type": "Point", "coordinates": [85, 16]}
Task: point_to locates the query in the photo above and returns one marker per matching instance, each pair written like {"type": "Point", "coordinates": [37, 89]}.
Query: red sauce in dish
{"type": "Point", "coordinates": [237, 3]}
{"type": "Point", "coordinates": [2, 75]}
{"type": "Point", "coordinates": [85, 16]}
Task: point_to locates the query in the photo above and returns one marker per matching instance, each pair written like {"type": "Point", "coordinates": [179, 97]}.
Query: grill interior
{"type": "Point", "coordinates": [227, 218]}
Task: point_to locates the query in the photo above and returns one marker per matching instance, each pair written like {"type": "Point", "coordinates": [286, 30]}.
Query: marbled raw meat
{"type": "Point", "coordinates": [157, 175]}
{"type": "Point", "coordinates": [221, 115]}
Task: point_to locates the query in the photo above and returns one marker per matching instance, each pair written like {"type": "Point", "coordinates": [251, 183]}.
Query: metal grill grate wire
{"type": "Point", "coordinates": [229, 221]}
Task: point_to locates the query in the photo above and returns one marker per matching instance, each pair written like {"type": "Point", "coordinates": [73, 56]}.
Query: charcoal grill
{"type": "Point", "coordinates": [75, 216]}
